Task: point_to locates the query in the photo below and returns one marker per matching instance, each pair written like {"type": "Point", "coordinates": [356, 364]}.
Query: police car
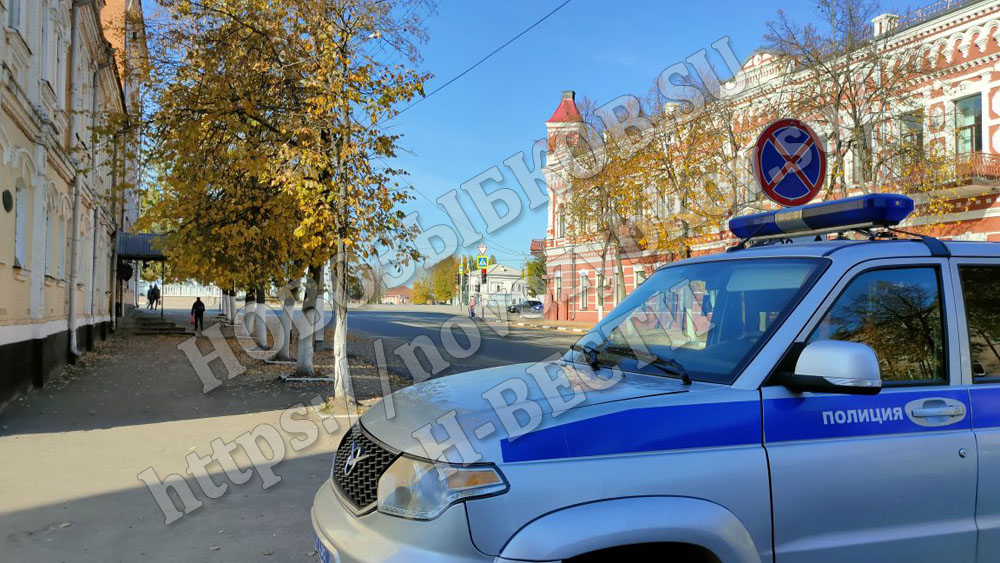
{"type": "Point", "coordinates": [827, 400]}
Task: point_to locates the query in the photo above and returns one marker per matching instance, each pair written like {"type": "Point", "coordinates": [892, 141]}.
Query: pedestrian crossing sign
{"type": "Point", "coordinates": [482, 261]}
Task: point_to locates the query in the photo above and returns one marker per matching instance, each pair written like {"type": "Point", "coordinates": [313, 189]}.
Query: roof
{"type": "Point", "coordinates": [501, 270]}
{"type": "Point", "coordinates": [402, 291]}
{"type": "Point", "coordinates": [567, 111]}
{"type": "Point", "coordinates": [139, 246]}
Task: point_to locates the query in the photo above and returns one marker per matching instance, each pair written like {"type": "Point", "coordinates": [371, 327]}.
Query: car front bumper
{"type": "Point", "coordinates": [379, 537]}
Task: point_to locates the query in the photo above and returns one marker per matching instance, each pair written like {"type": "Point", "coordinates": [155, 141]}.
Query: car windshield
{"type": "Point", "coordinates": [708, 317]}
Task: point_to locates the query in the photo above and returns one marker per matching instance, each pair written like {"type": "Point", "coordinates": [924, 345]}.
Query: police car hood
{"type": "Point", "coordinates": [480, 409]}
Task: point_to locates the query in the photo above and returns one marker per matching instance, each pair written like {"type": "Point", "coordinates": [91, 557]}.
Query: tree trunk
{"type": "Point", "coordinates": [323, 342]}
{"type": "Point", "coordinates": [599, 294]}
{"type": "Point", "coordinates": [260, 311]}
{"type": "Point", "coordinates": [304, 355]}
{"type": "Point", "coordinates": [329, 329]}
{"type": "Point", "coordinates": [620, 277]}
{"type": "Point", "coordinates": [232, 306]}
{"type": "Point", "coordinates": [249, 305]}
{"type": "Point", "coordinates": [341, 374]}
{"type": "Point", "coordinates": [288, 299]}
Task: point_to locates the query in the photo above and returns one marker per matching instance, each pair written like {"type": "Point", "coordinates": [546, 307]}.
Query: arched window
{"type": "Point", "coordinates": [49, 258]}
{"type": "Point", "coordinates": [21, 215]}
{"type": "Point", "coordinates": [560, 222]}
{"type": "Point", "coordinates": [584, 291]}
{"type": "Point", "coordinates": [14, 14]}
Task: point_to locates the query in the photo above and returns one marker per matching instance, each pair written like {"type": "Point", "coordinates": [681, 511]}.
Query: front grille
{"type": "Point", "coordinates": [359, 484]}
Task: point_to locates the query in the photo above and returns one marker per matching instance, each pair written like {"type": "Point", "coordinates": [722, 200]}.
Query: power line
{"type": "Point", "coordinates": [484, 59]}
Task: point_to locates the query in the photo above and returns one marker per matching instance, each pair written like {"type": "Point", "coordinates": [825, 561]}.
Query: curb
{"type": "Point", "coordinates": [546, 327]}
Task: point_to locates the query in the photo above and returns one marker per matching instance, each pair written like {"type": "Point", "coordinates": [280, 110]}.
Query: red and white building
{"type": "Point", "coordinates": [961, 107]}
{"type": "Point", "coordinates": [397, 296]}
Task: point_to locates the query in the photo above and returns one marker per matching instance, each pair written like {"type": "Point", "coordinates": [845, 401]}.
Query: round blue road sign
{"type": "Point", "coordinates": [789, 162]}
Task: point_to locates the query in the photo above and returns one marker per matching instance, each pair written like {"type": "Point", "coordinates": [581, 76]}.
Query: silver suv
{"type": "Point", "coordinates": [819, 401]}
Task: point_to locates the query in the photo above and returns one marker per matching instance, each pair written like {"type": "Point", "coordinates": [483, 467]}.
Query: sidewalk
{"type": "Point", "coordinates": [72, 453]}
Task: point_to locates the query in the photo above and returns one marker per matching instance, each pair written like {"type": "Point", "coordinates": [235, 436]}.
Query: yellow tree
{"type": "Point", "coordinates": [294, 97]}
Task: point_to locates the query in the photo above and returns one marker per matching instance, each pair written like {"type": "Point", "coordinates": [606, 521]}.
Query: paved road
{"type": "Point", "coordinates": [498, 344]}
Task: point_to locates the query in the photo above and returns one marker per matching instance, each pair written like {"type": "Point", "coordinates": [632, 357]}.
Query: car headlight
{"type": "Point", "coordinates": [422, 490]}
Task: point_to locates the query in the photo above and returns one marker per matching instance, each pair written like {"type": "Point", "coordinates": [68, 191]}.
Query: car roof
{"type": "Point", "coordinates": [856, 250]}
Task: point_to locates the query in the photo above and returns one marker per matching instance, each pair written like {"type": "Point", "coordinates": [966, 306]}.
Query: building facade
{"type": "Point", "coordinates": [503, 286]}
{"type": "Point", "coordinates": [397, 296]}
{"type": "Point", "coordinates": [59, 184]}
{"type": "Point", "coordinates": [960, 110]}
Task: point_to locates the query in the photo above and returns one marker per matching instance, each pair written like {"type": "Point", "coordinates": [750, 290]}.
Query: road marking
{"type": "Point", "coordinates": [414, 325]}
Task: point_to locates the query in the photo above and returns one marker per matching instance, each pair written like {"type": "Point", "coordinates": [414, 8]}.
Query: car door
{"type": "Point", "coordinates": [886, 477]}
{"type": "Point", "coordinates": [977, 292]}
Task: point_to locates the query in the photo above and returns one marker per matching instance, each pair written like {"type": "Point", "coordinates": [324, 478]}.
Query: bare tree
{"type": "Point", "coordinates": [855, 79]}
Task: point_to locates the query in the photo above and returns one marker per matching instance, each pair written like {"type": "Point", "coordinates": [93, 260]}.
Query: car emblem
{"type": "Point", "coordinates": [357, 454]}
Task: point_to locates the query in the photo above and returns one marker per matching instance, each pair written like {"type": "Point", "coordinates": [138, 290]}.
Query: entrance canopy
{"type": "Point", "coordinates": [139, 246]}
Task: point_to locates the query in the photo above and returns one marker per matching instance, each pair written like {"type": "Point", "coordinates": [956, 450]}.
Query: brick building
{"type": "Point", "coordinates": [960, 100]}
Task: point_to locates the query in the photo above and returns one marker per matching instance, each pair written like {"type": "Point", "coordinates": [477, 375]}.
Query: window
{"type": "Point", "coordinates": [969, 125]}
{"type": "Point", "coordinates": [61, 250]}
{"type": "Point", "coordinates": [21, 215]}
{"type": "Point", "coordinates": [44, 58]}
{"type": "Point", "coordinates": [911, 133]}
{"type": "Point", "coordinates": [584, 292]}
{"type": "Point", "coordinates": [49, 258]}
{"type": "Point", "coordinates": [898, 313]}
{"type": "Point", "coordinates": [561, 223]}
{"type": "Point", "coordinates": [557, 286]}
{"type": "Point", "coordinates": [14, 14]}
{"type": "Point", "coordinates": [860, 159]}
{"type": "Point", "coordinates": [711, 317]}
{"type": "Point", "coordinates": [981, 291]}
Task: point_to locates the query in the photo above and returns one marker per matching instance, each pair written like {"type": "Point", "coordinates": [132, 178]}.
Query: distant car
{"type": "Point", "coordinates": [530, 307]}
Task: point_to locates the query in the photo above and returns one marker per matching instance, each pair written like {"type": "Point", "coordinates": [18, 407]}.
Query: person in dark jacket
{"type": "Point", "coordinates": [198, 312]}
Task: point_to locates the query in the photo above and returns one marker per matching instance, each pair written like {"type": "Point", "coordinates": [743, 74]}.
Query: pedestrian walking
{"type": "Point", "coordinates": [149, 298]}
{"type": "Point", "coordinates": [472, 307]}
{"type": "Point", "coordinates": [198, 314]}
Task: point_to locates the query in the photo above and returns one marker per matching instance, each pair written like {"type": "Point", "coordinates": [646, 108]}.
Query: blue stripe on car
{"type": "Point", "coordinates": [642, 430]}
{"type": "Point", "coordinates": [710, 425]}
{"type": "Point", "coordinates": [985, 407]}
{"type": "Point", "coordinates": [840, 416]}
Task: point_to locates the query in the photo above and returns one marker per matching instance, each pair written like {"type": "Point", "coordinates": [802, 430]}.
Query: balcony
{"type": "Point", "coordinates": [977, 166]}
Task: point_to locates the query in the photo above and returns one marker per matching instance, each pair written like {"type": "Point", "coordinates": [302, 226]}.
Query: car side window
{"type": "Point", "coordinates": [981, 292]}
{"type": "Point", "coordinates": [898, 313]}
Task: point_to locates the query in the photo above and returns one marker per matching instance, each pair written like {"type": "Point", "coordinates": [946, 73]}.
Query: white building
{"type": "Point", "coordinates": [504, 285]}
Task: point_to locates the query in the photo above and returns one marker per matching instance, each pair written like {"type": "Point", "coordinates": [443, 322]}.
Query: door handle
{"type": "Point", "coordinates": [928, 412]}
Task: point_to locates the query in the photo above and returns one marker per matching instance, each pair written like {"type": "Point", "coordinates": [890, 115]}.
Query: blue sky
{"type": "Point", "coordinates": [599, 49]}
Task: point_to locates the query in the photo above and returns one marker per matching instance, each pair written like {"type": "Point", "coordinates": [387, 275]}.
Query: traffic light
{"type": "Point", "coordinates": [484, 276]}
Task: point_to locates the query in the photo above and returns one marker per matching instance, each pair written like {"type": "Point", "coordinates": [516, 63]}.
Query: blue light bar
{"type": "Point", "coordinates": [873, 210]}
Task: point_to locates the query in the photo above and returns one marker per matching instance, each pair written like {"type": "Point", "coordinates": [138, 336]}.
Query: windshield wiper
{"type": "Point", "coordinates": [588, 352]}
{"type": "Point", "coordinates": [668, 365]}
{"type": "Point", "coordinates": [671, 365]}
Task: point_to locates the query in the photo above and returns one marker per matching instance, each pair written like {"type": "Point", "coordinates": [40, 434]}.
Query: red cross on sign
{"type": "Point", "coordinates": [789, 162]}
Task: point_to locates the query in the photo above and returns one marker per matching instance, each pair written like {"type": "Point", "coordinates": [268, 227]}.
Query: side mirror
{"type": "Point", "coordinates": [836, 366]}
